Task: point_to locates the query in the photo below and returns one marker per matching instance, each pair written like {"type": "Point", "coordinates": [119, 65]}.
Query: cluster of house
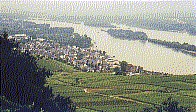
{"type": "Point", "coordinates": [84, 59]}
{"type": "Point", "coordinates": [137, 70]}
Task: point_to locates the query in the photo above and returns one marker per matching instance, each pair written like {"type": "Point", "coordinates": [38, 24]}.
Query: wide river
{"type": "Point", "coordinates": [147, 55]}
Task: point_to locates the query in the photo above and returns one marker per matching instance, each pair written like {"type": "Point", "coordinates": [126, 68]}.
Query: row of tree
{"type": "Point", "coordinates": [130, 35]}
{"type": "Point", "coordinates": [175, 45]}
{"type": "Point", "coordinates": [127, 34]}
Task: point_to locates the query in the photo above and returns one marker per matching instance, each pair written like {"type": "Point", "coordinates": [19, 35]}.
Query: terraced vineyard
{"type": "Point", "coordinates": [106, 92]}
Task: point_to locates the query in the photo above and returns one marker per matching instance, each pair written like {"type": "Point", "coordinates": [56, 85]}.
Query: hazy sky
{"type": "Point", "coordinates": [60, 7]}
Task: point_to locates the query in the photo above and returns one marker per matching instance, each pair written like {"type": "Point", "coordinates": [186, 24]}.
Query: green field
{"type": "Point", "coordinates": [54, 65]}
{"type": "Point", "coordinates": [113, 93]}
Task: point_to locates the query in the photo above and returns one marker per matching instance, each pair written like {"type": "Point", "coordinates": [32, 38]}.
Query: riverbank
{"type": "Point", "coordinates": [147, 55]}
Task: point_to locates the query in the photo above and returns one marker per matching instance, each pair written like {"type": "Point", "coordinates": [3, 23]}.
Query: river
{"type": "Point", "coordinates": [147, 55]}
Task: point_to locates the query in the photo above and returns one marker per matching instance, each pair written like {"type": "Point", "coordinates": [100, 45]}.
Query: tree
{"type": "Point", "coordinates": [167, 106]}
{"type": "Point", "coordinates": [123, 66]}
{"type": "Point", "coordinates": [104, 53]}
{"type": "Point", "coordinates": [172, 106]}
{"type": "Point", "coordinates": [85, 35]}
{"type": "Point", "coordinates": [84, 69]}
{"type": "Point", "coordinates": [116, 70]}
{"type": "Point", "coordinates": [22, 82]}
{"type": "Point", "coordinates": [147, 109]}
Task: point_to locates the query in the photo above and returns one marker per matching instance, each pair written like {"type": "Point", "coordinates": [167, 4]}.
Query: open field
{"type": "Point", "coordinates": [106, 92]}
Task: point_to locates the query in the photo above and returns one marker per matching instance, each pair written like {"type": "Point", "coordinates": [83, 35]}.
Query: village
{"type": "Point", "coordinates": [83, 59]}
{"type": "Point", "coordinates": [49, 42]}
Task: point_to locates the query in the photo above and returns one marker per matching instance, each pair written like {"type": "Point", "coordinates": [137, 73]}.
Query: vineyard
{"type": "Point", "coordinates": [54, 65]}
{"type": "Point", "coordinates": [106, 92]}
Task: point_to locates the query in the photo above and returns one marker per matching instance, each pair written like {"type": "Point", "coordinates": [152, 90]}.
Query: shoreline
{"type": "Point", "coordinates": [65, 24]}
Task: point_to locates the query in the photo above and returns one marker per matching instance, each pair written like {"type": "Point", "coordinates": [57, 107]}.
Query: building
{"type": "Point", "coordinates": [18, 36]}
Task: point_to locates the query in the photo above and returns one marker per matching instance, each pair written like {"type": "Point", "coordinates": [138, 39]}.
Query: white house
{"type": "Point", "coordinates": [20, 36]}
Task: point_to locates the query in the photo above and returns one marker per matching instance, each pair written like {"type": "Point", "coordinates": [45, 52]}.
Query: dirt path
{"type": "Point", "coordinates": [125, 99]}
{"type": "Point", "coordinates": [120, 97]}
{"type": "Point", "coordinates": [134, 93]}
{"type": "Point", "coordinates": [89, 90]}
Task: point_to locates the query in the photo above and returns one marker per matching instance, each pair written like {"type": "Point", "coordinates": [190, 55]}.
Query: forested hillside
{"type": "Point", "coordinates": [23, 82]}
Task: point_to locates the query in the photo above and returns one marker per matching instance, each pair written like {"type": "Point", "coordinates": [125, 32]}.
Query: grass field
{"type": "Point", "coordinates": [105, 92]}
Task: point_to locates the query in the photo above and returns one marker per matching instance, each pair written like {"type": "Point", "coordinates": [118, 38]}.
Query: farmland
{"type": "Point", "coordinates": [107, 92]}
